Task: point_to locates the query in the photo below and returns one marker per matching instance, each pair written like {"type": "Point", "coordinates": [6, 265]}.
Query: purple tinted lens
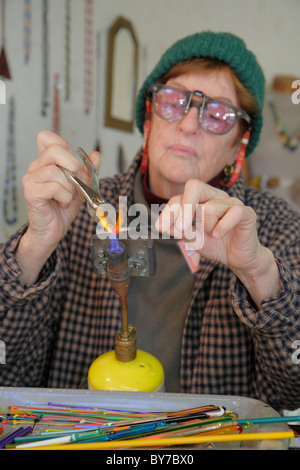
{"type": "Point", "coordinates": [170, 104]}
{"type": "Point", "coordinates": [218, 118]}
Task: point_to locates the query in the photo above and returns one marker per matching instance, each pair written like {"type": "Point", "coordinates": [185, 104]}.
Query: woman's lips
{"type": "Point", "coordinates": [183, 150]}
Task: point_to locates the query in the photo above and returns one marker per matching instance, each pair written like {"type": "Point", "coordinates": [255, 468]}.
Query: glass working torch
{"type": "Point", "coordinates": [118, 272]}
{"type": "Point", "coordinates": [126, 367]}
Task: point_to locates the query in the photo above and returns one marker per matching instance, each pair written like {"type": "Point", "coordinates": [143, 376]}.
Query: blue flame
{"type": "Point", "coordinates": [114, 246]}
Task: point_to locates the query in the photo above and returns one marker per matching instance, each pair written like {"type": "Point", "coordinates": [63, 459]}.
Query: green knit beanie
{"type": "Point", "coordinates": [223, 46]}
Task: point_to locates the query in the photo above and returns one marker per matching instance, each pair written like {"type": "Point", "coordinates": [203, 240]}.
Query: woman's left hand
{"type": "Point", "coordinates": [229, 228]}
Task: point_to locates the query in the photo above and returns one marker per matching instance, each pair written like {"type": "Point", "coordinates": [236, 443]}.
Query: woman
{"type": "Point", "coordinates": [226, 326]}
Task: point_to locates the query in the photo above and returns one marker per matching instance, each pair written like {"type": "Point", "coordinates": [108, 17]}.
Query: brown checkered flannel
{"type": "Point", "coordinates": [54, 329]}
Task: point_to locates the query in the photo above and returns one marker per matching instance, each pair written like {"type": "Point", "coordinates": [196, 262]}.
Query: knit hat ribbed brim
{"type": "Point", "coordinates": [223, 46]}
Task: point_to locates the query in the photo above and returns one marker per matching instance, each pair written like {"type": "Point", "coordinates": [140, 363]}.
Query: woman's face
{"type": "Point", "coordinates": [182, 150]}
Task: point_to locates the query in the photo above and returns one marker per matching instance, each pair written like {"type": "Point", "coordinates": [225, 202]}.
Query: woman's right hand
{"type": "Point", "coordinates": [52, 200]}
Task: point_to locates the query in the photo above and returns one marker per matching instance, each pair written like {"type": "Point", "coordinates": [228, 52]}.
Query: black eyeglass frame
{"type": "Point", "coordinates": [239, 113]}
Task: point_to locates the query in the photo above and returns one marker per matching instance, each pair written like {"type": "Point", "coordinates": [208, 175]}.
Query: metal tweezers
{"type": "Point", "coordinates": [91, 193]}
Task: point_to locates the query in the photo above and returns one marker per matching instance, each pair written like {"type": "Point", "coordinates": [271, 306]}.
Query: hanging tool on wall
{"type": "Point", "coordinates": [67, 50]}
{"type": "Point", "coordinates": [4, 68]}
{"type": "Point", "coordinates": [121, 160]}
{"type": "Point", "coordinates": [56, 105]}
{"type": "Point", "coordinates": [27, 30]}
{"type": "Point", "coordinates": [45, 81]}
{"type": "Point", "coordinates": [97, 92]}
{"type": "Point", "coordinates": [10, 182]}
{"type": "Point", "coordinates": [88, 55]}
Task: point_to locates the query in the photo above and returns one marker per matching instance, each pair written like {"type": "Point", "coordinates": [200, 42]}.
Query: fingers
{"type": "Point", "coordinates": [55, 152]}
{"type": "Point", "coordinates": [197, 192]}
{"type": "Point", "coordinates": [230, 215]}
{"type": "Point", "coordinates": [46, 138]}
{"type": "Point", "coordinates": [44, 180]}
{"type": "Point", "coordinates": [52, 191]}
{"type": "Point", "coordinates": [53, 201]}
{"type": "Point", "coordinates": [95, 159]}
{"type": "Point", "coordinates": [221, 215]}
{"type": "Point", "coordinates": [46, 183]}
{"type": "Point", "coordinates": [209, 208]}
{"type": "Point", "coordinates": [183, 221]}
{"type": "Point", "coordinates": [55, 149]}
{"type": "Point", "coordinates": [182, 210]}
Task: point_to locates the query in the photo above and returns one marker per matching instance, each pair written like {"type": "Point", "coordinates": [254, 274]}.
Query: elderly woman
{"type": "Point", "coordinates": [221, 316]}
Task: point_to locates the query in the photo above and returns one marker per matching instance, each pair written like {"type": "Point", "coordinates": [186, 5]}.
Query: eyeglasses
{"type": "Point", "coordinates": [216, 117]}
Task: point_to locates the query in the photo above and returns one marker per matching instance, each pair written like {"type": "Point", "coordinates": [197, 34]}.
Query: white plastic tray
{"type": "Point", "coordinates": [244, 407]}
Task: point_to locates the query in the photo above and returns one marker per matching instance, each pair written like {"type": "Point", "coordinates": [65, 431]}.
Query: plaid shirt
{"type": "Point", "coordinates": [54, 329]}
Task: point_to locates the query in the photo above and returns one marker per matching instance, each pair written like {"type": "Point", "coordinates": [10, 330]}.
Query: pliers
{"type": "Point", "coordinates": [91, 193]}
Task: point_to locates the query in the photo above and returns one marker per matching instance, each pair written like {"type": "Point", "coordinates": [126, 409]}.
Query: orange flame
{"type": "Point", "coordinates": [107, 224]}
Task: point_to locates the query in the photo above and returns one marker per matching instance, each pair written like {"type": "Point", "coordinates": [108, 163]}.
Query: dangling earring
{"type": "Point", "coordinates": [232, 172]}
{"type": "Point", "coordinates": [145, 157]}
{"type": "Point", "coordinates": [228, 170]}
{"type": "Point", "coordinates": [226, 175]}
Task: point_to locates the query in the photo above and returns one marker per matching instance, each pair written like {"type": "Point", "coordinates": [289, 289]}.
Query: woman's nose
{"type": "Point", "coordinates": [189, 123]}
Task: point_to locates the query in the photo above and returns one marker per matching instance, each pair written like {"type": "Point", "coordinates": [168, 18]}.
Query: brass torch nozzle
{"type": "Point", "coordinates": [119, 274]}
